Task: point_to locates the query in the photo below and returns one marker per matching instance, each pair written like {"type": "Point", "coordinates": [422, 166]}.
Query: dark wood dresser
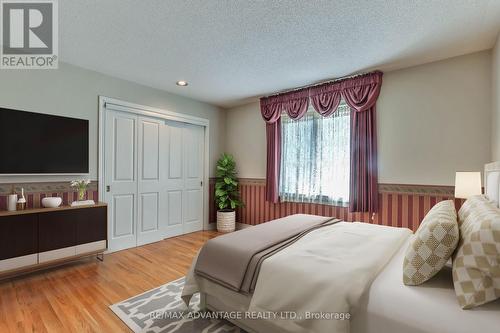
{"type": "Point", "coordinates": [36, 238]}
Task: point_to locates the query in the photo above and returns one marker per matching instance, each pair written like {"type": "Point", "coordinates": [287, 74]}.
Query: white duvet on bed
{"type": "Point", "coordinates": [391, 307]}
{"type": "Point", "coordinates": [326, 271]}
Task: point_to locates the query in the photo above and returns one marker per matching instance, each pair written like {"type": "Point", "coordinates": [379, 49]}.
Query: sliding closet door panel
{"type": "Point", "coordinates": [149, 212]}
{"type": "Point", "coordinates": [193, 137]}
{"type": "Point", "coordinates": [150, 150]}
{"type": "Point", "coordinates": [120, 169]}
{"type": "Point", "coordinates": [175, 178]}
{"type": "Point", "coordinates": [124, 151]}
{"type": "Point", "coordinates": [175, 151]}
{"type": "Point", "coordinates": [194, 201]}
{"type": "Point", "coordinates": [174, 208]}
{"type": "Point", "coordinates": [150, 185]}
{"type": "Point", "coordinates": [123, 212]}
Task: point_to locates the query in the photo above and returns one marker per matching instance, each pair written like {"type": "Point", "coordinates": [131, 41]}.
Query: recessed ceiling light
{"type": "Point", "coordinates": [181, 83]}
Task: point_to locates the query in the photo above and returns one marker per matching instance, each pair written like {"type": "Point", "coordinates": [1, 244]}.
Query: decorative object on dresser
{"type": "Point", "coordinates": [36, 238]}
{"type": "Point", "coordinates": [21, 202]}
{"type": "Point", "coordinates": [12, 200]}
{"type": "Point", "coordinates": [226, 193]}
{"type": "Point", "coordinates": [467, 184]}
{"type": "Point", "coordinates": [82, 203]}
{"type": "Point", "coordinates": [51, 202]}
{"type": "Point", "coordinates": [81, 186]}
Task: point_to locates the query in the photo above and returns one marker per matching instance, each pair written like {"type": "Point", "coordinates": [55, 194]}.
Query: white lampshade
{"type": "Point", "coordinates": [467, 184]}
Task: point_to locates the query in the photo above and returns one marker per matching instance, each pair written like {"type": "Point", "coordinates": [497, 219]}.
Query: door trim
{"type": "Point", "coordinates": [143, 110]}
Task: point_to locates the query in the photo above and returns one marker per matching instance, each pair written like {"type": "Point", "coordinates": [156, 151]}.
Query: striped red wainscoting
{"type": "Point", "coordinates": [35, 192]}
{"type": "Point", "coordinates": [399, 205]}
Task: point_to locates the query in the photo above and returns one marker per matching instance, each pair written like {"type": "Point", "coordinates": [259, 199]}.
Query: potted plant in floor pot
{"type": "Point", "coordinates": [227, 196]}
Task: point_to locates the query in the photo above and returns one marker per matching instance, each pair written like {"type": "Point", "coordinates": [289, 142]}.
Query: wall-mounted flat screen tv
{"type": "Point", "coordinates": [35, 143]}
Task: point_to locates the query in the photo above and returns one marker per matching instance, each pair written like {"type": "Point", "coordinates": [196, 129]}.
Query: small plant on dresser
{"type": "Point", "coordinates": [81, 186]}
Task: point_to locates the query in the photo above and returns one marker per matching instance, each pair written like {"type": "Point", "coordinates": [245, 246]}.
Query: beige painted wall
{"type": "Point", "coordinates": [246, 140]}
{"type": "Point", "coordinates": [495, 80]}
{"type": "Point", "coordinates": [73, 91]}
{"type": "Point", "coordinates": [433, 120]}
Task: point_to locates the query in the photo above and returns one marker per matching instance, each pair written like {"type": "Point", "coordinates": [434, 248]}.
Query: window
{"type": "Point", "coordinates": [315, 157]}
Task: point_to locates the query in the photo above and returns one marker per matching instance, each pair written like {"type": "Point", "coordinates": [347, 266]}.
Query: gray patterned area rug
{"type": "Point", "coordinates": [162, 310]}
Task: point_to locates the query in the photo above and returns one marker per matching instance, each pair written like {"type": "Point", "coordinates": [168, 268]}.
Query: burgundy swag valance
{"type": "Point", "coordinates": [361, 94]}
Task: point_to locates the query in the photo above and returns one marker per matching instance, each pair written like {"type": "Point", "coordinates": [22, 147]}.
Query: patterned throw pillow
{"type": "Point", "coordinates": [476, 270]}
{"type": "Point", "coordinates": [433, 244]}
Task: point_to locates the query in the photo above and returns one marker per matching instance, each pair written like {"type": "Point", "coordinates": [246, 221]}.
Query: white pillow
{"type": "Point", "coordinates": [492, 186]}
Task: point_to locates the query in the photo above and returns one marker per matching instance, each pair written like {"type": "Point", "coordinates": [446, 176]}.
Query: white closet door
{"type": "Point", "coordinates": [121, 178]}
{"type": "Point", "coordinates": [184, 178]}
{"type": "Point", "coordinates": [153, 178]}
{"type": "Point", "coordinates": [150, 185]}
{"type": "Point", "coordinates": [193, 138]}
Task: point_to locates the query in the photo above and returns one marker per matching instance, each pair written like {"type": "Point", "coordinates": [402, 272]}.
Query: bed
{"type": "Point", "coordinates": [385, 306]}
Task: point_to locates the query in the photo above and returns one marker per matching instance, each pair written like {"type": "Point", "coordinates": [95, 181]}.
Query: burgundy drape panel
{"type": "Point", "coordinates": [295, 105]}
{"type": "Point", "coordinates": [363, 184]}
{"type": "Point", "coordinates": [361, 94]}
{"type": "Point", "coordinates": [271, 109]}
{"type": "Point", "coordinates": [273, 133]}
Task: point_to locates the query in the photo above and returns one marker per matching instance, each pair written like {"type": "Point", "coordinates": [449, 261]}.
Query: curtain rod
{"type": "Point", "coordinates": [316, 84]}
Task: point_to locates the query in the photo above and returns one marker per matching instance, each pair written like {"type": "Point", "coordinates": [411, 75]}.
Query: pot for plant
{"type": "Point", "coordinates": [226, 220]}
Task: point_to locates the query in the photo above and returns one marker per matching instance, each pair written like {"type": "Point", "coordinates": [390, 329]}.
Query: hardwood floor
{"type": "Point", "coordinates": [75, 297]}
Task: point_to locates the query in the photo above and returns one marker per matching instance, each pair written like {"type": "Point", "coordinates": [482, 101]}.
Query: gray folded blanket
{"type": "Point", "coordinates": [234, 260]}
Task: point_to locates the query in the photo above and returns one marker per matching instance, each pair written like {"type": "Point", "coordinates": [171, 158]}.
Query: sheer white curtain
{"type": "Point", "coordinates": [315, 157]}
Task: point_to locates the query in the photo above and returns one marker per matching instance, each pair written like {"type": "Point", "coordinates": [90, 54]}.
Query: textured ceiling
{"type": "Point", "coordinates": [233, 50]}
